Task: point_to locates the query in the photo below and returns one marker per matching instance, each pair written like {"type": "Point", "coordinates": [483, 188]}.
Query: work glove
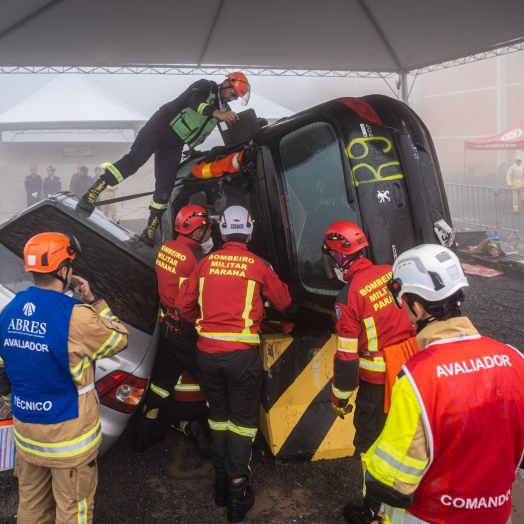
{"type": "Point", "coordinates": [342, 409]}
{"type": "Point", "coordinates": [35, 194]}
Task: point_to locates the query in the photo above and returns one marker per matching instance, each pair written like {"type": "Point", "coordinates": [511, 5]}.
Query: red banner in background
{"type": "Point", "coordinates": [511, 139]}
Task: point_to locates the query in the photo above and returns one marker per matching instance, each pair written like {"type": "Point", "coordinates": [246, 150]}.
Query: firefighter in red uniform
{"type": "Point", "coordinates": [175, 261]}
{"type": "Point", "coordinates": [367, 324]}
{"type": "Point", "coordinates": [454, 436]}
{"type": "Point", "coordinates": [223, 295]}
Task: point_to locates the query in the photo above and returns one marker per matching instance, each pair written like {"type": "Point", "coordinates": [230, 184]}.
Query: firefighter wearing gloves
{"type": "Point", "coordinates": [187, 120]}
{"type": "Point", "coordinates": [177, 348]}
{"type": "Point", "coordinates": [224, 296]}
{"type": "Point", "coordinates": [367, 324]}
{"type": "Point", "coordinates": [49, 344]}
{"type": "Point", "coordinates": [458, 397]}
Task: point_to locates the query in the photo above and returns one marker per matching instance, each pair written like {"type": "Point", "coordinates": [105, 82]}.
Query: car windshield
{"type": "Point", "coordinates": [127, 284]}
{"type": "Point", "coordinates": [185, 170]}
{"type": "Point", "coordinates": [317, 197]}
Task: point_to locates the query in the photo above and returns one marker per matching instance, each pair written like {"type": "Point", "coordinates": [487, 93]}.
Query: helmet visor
{"type": "Point", "coordinates": [244, 98]}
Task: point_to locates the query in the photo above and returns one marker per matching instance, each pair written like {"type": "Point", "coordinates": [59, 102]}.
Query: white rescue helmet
{"type": "Point", "coordinates": [236, 220]}
{"type": "Point", "coordinates": [429, 271]}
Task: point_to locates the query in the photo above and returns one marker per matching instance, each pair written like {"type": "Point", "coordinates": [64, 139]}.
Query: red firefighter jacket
{"type": "Point", "coordinates": [217, 168]}
{"type": "Point", "coordinates": [224, 296]}
{"type": "Point", "coordinates": [174, 263]}
{"type": "Point", "coordinates": [472, 399]}
{"type": "Point", "coordinates": [187, 389]}
{"type": "Point", "coordinates": [367, 322]}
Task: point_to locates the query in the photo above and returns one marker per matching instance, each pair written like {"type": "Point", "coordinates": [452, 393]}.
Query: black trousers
{"type": "Point", "coordinates": [174, 411]}
{"type": "Point", "coordinates": [232, 384]}
{"type": "Point", "coordinates": [157, 138]}
{"type": "Point", "coordinates": [175, 353]}
{"type": "Point", "coordinates": [369, 416]}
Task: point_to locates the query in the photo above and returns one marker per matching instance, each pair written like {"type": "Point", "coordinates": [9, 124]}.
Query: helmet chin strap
{"type": "Point", "coordinates": [421, 324]}
{"type": "Point", "coordinates": [64, 281]}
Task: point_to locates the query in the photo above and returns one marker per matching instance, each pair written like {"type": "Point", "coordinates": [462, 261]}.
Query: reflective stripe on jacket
{"type": "Point", "coordinates": [175, 261]}
{"type": "Point", "coordinates": [458, 397]}
{"type": "Point", "coordinates": [223, 295]}
{"type": "Point", "coordinates": [367, 322]}
{"type": "Point", "coordinates": [94, 333]}
{"type": "Point", "coordinates": [188, 390]}
{"type": "Point", "coordinates": [194, 126]}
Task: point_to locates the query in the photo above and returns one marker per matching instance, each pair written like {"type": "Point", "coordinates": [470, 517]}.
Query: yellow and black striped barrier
{"type": "Point", "coordinates": [296, 418]}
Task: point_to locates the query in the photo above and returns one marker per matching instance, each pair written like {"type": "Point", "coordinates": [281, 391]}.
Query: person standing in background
{"type": "Point", "coordinates": [52, 183]}
{"type": "Point", "coordinates": [514, 181]}
{"type": "Point", "coordinates": [33, 186]}
{"type": "Point", "coordinates": [81, 181]}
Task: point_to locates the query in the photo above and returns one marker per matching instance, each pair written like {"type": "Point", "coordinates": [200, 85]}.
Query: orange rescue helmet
{"type": "Point", "coordinates": [240, 84]}
{"type": "Point", "coordinates": [190, 218]}
{"type": "Point", "coordinates": [345, 237]}
{"type": "Point", "coordinates": [44, 253]}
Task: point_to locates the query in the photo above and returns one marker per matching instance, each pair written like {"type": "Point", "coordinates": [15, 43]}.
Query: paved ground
{"type": "Point", "coordinates": [172, 483]}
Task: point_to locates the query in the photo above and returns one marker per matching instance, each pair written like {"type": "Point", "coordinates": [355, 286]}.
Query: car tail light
{"type": "Point", "coordinates": [121, 391]}
{"type": "Point", "coordinates": [363, 109]}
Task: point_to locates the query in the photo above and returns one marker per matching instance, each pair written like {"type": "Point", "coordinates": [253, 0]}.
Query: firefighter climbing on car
{"type": "Point", "coordinates": [369, 329]}
{"type": "Point", "coordinates": [186, 121]}
{"type": "Point", "coordinates": [177, 351]}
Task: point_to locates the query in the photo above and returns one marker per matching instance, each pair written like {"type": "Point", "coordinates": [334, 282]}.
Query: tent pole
{"type": "Point", "coordinates": [464, 170]}
{"type": "Point", "coordinates": [404, 96]}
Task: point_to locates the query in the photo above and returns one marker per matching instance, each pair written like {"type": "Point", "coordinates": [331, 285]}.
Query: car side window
{"type": "Point", "coordinates": [317, 197]}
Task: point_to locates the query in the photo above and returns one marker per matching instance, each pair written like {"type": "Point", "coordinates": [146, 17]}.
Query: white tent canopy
{"type": "Point", "coordinates": [71, 102]}
{"type": "Point", "coordinates": [263, 107]}
{"type": "Point", "coordinates": [333, 35]}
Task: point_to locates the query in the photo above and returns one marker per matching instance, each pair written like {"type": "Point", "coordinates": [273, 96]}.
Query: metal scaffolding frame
{"type": "Point", "coordinates": [189, 70]}
{"type": "Point", "coordinates": [185, 69]}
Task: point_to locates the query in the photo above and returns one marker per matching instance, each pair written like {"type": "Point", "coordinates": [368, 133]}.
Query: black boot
{"type": "Point", "coordinates": [220, 487]}
{"type": "Point", "coordinates": [240, 499]}
{"type": "Point", "coordinates": [148, 235]}
{"type": "Point", "coordinates": [88, 199]}
{"type": "Point", "coordinates": [198, 433]}
{"type": "Point", "coordinates": [149, 432]}
{"type": "Point", "coordinates": [360, 514]}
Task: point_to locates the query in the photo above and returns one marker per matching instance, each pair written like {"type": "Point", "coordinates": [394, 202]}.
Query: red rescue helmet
{"type": "Point", "coordinates": [345, 237]}
{"type": "Point", "coordinates": [32, 167]}
{"type": "Point", "coordinates": [240, 84]}
{"type": "Point", "coordinates": [190, 218]}
{"type": "Point", "coordinates": [44, 253]}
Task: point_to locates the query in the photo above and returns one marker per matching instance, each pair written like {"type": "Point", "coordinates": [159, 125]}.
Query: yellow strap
{"type": "Point", "coordinates": [206, 171]}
